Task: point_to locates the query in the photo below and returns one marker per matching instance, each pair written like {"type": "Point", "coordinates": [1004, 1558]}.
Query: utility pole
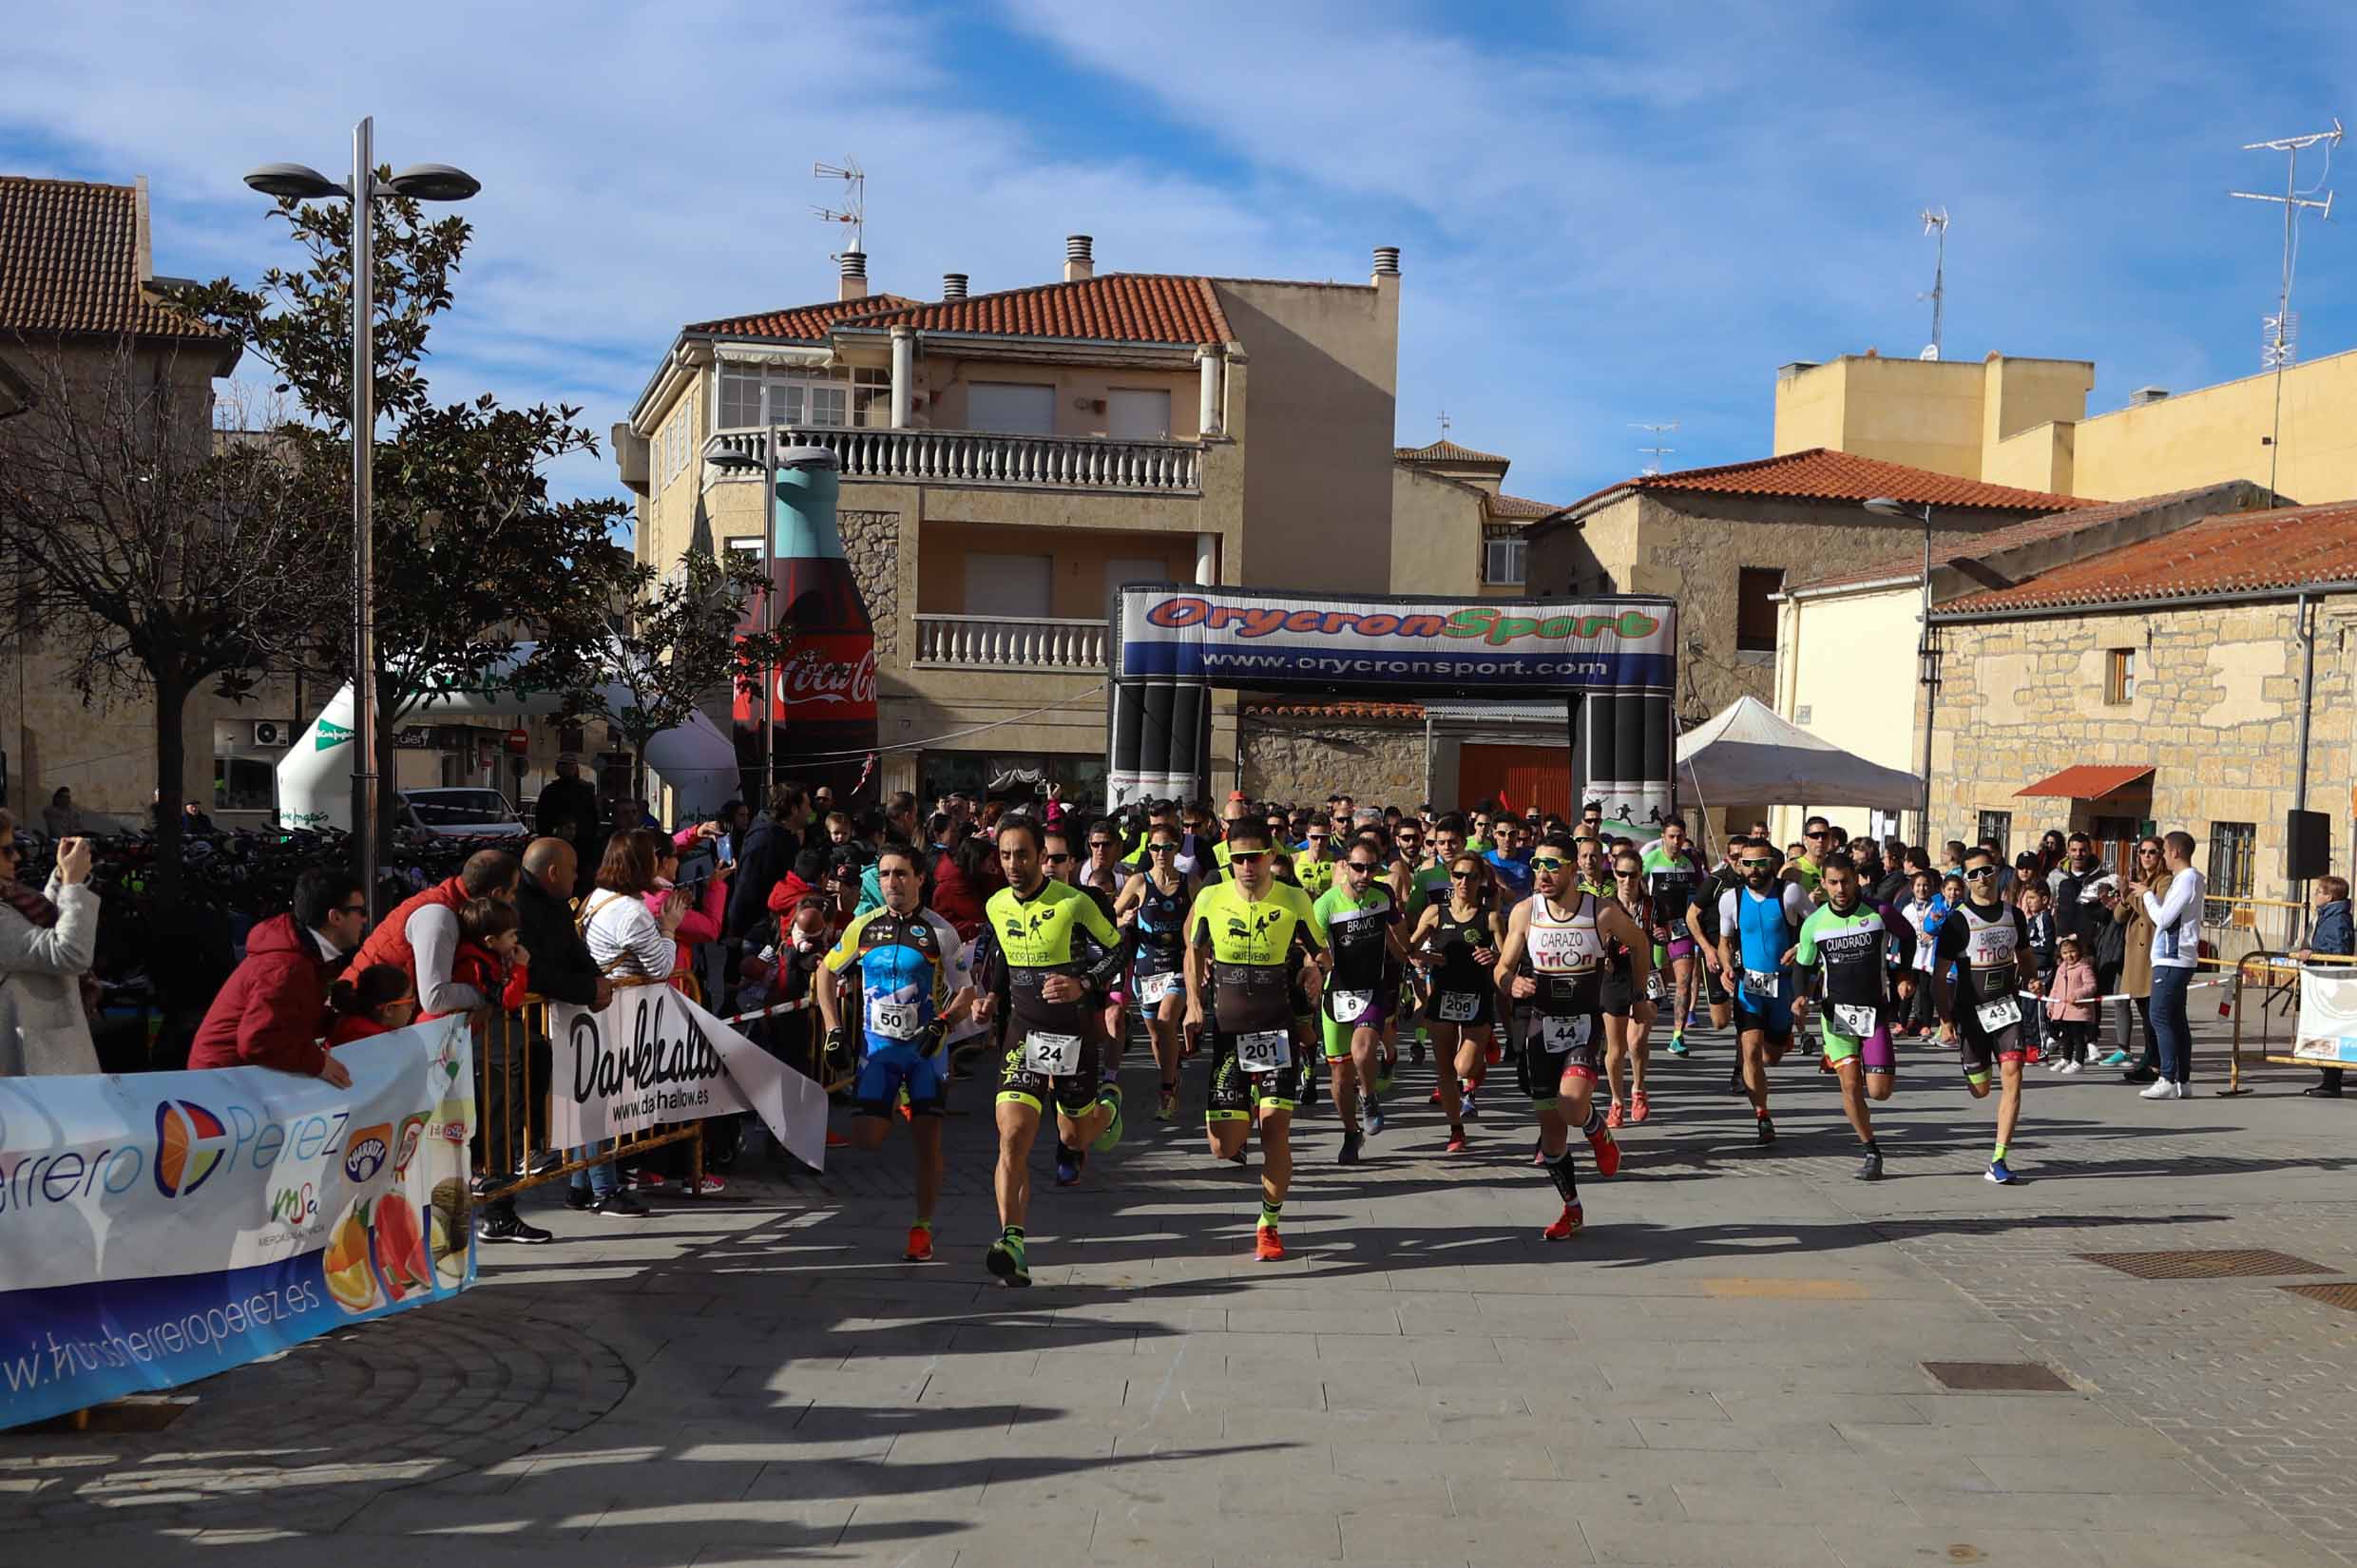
{"type": "Point", "coordinates": [1935, 222]}
{"type": "Point", "coordinates": [2282, 328]}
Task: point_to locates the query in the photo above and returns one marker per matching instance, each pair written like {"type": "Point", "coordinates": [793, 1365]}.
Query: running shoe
{"type": "Point", "coordinates": [2068, 1068]}
{"type": "Point", "coordinates": [1997, 1174]}
{"type": "Point", "coordinates": [1537, 1153]}
{"type": "Point", "coordinates": [1612, 1115]}
{"type": "Point", "coordinates": [1871, 1165]}
{"type": "Point", "coordinates": [920, 1249]}
{"type": "Point", "coordinates": [1678, 1042]}
{"type": "Point", "coordinates": [1607, 1151]}
{"type": "Point", "coordinates": [1350, 1142]}
{"type": "Point", "coordinates": [1068, 1166]}
{"type": "Point", "coordinates": [1269, 1249]}
{"type": "Point", "coordinates": [2055, 1066]}
{"type": "Point", "coordinates": [1435, 1097]}
{"type": "Point", "coordinates": [1110, 1095]}
{"type": "Point", "coordinates": [1766, 1130]}
{"type": "Point", "coordinates": [2117, 1058]}
{"type": "Point", "coordinates": [1374, 1115]}
{"type": "Point", "coordinates": [1456, 1141]}
{"type": "Point", "coordinates": [1496, 1053]}
{"type": "Point", "coordinates": [1567, 1226]}
{"type": "Point", "coordinates": [1309, 1090]}
{"type": "Point", "coordinates": [837, 1140]}
{"type": "Point", "coordinates": [1472, 1109]}
{"type": "Point", "coordinates": [1237, 1159]}
{"type": "Point", "coordinates": [1640, 1108]}
{"type": "Point", "coordinates": [1005, 1260]}
{"type": "Point", "coordinates": [2160, 1088]}
{"type": "Point", "coordinates": [1166, 1105]}
{"type": "Point", "coordinates": [1734, 1081]}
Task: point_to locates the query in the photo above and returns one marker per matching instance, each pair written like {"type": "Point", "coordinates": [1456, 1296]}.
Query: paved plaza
{"type": "Point", "coordinates": [1728, 1369]}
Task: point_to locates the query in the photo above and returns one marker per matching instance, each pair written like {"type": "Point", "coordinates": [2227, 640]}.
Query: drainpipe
{"type": "Point", "coordinates": [2308, 696]}
{"type": "Point", "coordinates": [1427, 753]}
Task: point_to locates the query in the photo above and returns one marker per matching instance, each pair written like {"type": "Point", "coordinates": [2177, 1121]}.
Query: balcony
{"type": "Point", "coordinates": [983, 458]}
{"type": "Point", "coordinates": [998, 642]}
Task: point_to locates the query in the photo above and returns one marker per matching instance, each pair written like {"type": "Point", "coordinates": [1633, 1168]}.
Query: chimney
{"type": "Point", "coordinates": [1387, 262]}
{"type": "Point", "coordinates": [2143, 396]}
{"type": "Point", "coordinates": [854, 283]}
{"type": "Point", "coordinates": [1079, 259]}
{"type": "Point", "coordinates": [952, 285]}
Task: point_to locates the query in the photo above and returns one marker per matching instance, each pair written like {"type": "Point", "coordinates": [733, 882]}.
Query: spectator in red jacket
{"type": "Point", "coordinates": [271, 1012]}
{"type": "Point", "coordinates": [374, 1001]}
{"type": "Point", "coordinates": [490, 960]}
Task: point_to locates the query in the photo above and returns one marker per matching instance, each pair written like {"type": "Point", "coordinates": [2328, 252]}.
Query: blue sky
{"type": "Point", "coordinates": [1609, 214]}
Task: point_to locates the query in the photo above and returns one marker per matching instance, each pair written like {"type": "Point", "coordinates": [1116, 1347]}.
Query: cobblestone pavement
{"type": "Point", "coordinates": [1727, 1369]}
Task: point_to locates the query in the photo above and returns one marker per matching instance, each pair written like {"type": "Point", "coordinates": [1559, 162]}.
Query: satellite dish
{"type": "Point", "coordinates": [1931, 350]}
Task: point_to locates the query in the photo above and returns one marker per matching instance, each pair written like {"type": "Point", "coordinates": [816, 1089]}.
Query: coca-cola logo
{"type": "Point", "coordinates": [810, 678]}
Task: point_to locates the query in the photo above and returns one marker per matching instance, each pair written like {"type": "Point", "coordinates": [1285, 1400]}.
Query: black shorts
{"type": "Point", "coordinates": [1071, 1092]}
{"type": "Point", "coordinates": [1236, 1094]}
{"type": "Point", "coordinates": [1715, 988]}
{"type": "Point", "coordinates": [1485, 1012]}
{"type": "Point", "coordinates": [1979, 1053]}
{"type": "Point", "coordinates": [1543, 1071]}
{"type": "Point", "coordinates": [1616, 993]}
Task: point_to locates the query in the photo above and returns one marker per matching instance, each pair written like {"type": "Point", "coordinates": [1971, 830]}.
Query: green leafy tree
{"type": "Point", "coordinates": [471, 553]}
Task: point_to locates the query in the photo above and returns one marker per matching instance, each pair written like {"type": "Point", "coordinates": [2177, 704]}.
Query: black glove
{"type": "Point", "coordinates": [936, 1033]}
{"type": "Point", "coordinates": [839, 1041]}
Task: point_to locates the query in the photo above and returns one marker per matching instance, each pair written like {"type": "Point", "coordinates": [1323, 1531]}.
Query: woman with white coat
{"type": "Point", "coordinates": [47, 940]}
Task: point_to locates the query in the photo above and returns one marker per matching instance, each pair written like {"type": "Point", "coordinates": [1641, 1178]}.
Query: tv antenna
{"type": "Point", "coordinates": [2283, 329]}
{"type": "Point", "coordinates": [1935, 223]}
{"type": "Point", "coordinates": [1655, 453]}
{"type": "Point", "coordinates": [854, 208]}
{"type": "Point", "coordinates": [1444, 424]}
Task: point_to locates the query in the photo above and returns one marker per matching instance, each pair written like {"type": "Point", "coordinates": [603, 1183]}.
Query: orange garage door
{"type": "Point", "coordinates": [1525, 776]}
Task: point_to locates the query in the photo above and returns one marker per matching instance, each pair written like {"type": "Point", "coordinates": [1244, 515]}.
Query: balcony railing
{"type": "Point", "coordinates": [981, 457]}
{"type": "Point", "coordinates": [1004, 643]}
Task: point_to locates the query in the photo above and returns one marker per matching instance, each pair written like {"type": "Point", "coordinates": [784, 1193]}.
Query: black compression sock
{"type": "Point", "coordinates": [1558, 1171]}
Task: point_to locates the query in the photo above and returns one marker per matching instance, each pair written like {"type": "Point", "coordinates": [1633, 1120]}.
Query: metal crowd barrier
{"type": "Point", "coordinates": [2270, 981]}
{"type": "Point", "coordinates": [514, 1072]}
{"type": "Point", "coordinates": [2234, 928]}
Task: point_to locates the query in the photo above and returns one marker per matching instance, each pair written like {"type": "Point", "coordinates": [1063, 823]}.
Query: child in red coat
{"type": "Point", "coordinates": [376, 1001]}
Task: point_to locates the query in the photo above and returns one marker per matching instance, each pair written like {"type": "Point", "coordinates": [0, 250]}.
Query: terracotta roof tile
{"type": "Point", "coordinates": [1120, 307]}
{"type": "Point", "coordinates": [1821, 475]}
{"type": "Point", "coordinates": [1521, 508]}
{"type": "Point", "coordinates": [1313, 709]}
{"type": "Point", "coordinates": [2036, 530]}
{"type": "Point", "coordinates": [2260, 553]}
{"type": "Point", "coordinates": [801, 324]}
{"type": "Point", "coordinates": [70, 262]}
{"type": "Point", "coordinates": [1444, 451]}
{"type": "Point", "coordinates": [2089, 780]}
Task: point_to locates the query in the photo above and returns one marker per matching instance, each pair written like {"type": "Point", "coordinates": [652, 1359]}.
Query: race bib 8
{"type": "Point", "coordinates": [2003, 1013]}
{"type": "Point", "coordinates": [1459, 1006]}
{"type": "Point", "coordinates": [1058, 1056]}
{"type": "Point", "coordinates": [894, 1020]}
{"type": "Point", "coordinates": [1653, 987]}
{"type": "Point", "coordinates": [1855, 1020]}
{"type": "Point", "coordinates": [1349, 1007]}
{"type": "Point", "coordinates": [1264, 1051]}
{"type": "Point", "coordinates": [1563, 1034]}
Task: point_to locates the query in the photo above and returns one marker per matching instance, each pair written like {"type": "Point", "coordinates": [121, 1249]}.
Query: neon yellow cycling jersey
{"type": "Point", "coordinates": [1258, 932]}
{"type": "Point", "coordinates": [1060, 930]}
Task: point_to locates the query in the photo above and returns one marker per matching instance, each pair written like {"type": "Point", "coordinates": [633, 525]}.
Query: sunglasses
{"type": "Point", "coordinates": [1631, 874]}
{"type": "Point", "coordinates": [1548, 863]}
{"type": "Point", "coordinates": [1161, 848]}
{"type": "Point", "coordinates": [1054, 859]}
{"type": "Point", "coordinates": [1984, 873]}
{"type": "Point", "coordinates": [1755, 865]}
{"type": "Point", "coordinates": [340, 908]}
{"type": "Point", "coordinates": [1246, 857]}
{"type": "Point", "coordinates": [1360, 865]}
{"type": "Point", "coordinates": [1101, 843]}
{"type": "Point", "coordinates": [1818, 834]}
{"type": "Point", "coordinates": [1319, 838]}
{"type": "Point", "coordinates": [1463, 877]}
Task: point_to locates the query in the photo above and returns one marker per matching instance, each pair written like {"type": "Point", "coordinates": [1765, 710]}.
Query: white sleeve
{"type": "Point", "coordinates": [434, 941]}
{"type": "Point", "coordinates": [1797, 906]}
{"type": "Point", "coordinates": [2167, 913]}
{"type": "Point", "coordinates": [952, 947]}
{"type": "Point", "coordinates": [1730, 914]}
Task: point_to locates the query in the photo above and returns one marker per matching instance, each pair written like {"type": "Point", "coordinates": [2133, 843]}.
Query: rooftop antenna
{"type": "Point", "coordinates": [2282, 328]}
{"type": "Point", "coordinates": [1935, 223]}
{"type": "Point", "coordinates": [1444, 424]}
{"type": "Point", "coordinates": [854, 208]}
{"type": "Point", "coordinates": [1655, 453]}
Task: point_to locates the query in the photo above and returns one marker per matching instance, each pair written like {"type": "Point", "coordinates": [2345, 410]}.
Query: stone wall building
{"type": "Point", "coordinates": [2165, 680]}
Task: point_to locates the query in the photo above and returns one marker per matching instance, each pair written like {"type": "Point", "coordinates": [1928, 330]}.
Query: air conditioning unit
{"type": "Point", "coordinates": [274, 731]}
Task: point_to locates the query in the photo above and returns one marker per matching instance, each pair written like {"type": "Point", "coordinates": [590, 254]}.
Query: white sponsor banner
{"type": "Point", "coordinates": [2327, 1018]}
{"type": "Point", "coordinates": [654, 1056]}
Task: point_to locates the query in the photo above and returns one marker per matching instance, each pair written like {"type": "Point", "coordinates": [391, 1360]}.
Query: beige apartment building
{"type": "Point", "coordinates": [1454, 529]}
{"type": "Point", "coordinates": [2024, 422]}
{"type": "Point", "coordinates": [1009, 458]}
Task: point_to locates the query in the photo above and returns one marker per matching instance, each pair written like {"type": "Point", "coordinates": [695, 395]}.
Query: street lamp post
{"type": "Point", "coordinates": [424, 182]}
{"type": "Point", "coordinates": [1926, 654]}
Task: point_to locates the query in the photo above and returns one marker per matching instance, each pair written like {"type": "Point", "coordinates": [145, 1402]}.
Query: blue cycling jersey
{"type": "Point", "coordinates": [1766, 929]}
{"type": "Point", "coordinates": [904, 962]}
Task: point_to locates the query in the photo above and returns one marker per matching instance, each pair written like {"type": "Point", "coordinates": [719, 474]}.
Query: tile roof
{"type": "Point", "coordinates": [70, 263]}
{"type": "Point", "coordinates": [1980, 547]}
{"type": "Point", "coordinates": [800, 323]}
{"type": "Point", "coordinates": [1118, 307]}
{"type": "Point", "coordinates": [2259, 553]}
{"type": "Point", "coordinates": [1445, 450]}
{"type": "Point", "coordinates": [2089, 780]}
{"type": "Point", "coordinates": [1314, 709]}
{"type": "Point", "coordinates": [1822, 474]}
{"type": "Point", "coordinates": [1521, 508]}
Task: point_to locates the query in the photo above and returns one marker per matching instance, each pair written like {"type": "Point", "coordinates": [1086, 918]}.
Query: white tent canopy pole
{"type": "Point", "coordinates": [697, 761]}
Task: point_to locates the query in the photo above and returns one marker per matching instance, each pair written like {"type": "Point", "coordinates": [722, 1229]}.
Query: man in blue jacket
{"type": "Point", "coordinates": [2331, 933]}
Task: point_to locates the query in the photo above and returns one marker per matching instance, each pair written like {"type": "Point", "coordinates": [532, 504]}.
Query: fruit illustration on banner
{"type": "Point", "coordinates": [401, 1246]}
{"type": "Point", "coordinates": [446, 1232]}
{"type": "Point", "coordinates": [345, 1263]}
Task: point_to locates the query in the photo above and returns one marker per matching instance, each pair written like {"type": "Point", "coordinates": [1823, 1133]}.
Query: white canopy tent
{"type": "Point", "coordinates": [1747, 756]}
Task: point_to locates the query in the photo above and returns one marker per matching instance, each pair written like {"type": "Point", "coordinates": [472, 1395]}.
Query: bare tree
{"type": "Point", "coordinates": [148, 556]}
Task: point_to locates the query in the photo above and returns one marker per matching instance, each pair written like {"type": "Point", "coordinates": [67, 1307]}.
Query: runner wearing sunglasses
{"type": "Point", "coordinates": [1456, 943]}
{"type": "Point", "coordinates": [1758, 924]}
{"type": "Point", "coordinates": [1628, 1001]}
{"type": "Point", "coordinates": [1554, 956]}
{"type": "Point", "coordinates": [1983, 936]}
{"type": "Point", "coordinates": [1361, 926]}
{"type": "Point", "coordinates": [1844, 956]}
{"type": "Point", "coordinates": [1152, 909]}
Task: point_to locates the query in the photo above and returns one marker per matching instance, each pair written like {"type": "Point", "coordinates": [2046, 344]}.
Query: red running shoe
{"type": "Point", "coordinates": [1607, 1154]}
{"type": "Point", "coordinates": [1496, 1053]}
{"type": "Point", "coordinates": [1612, 1117]}
{"type": "Point", "coordinates": [1567, 1227]}
{"type": "Point", "coordinates": [1639, 1107]}
{"type": "Point", "coordinates": [1456, 1141]}
{"type": "Point", "coordinates": [1269, 1249]}
{"type": "Point", "coordinates": [920, 1244]}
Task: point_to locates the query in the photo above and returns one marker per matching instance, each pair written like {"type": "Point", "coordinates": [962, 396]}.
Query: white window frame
{"type": "Point", "coordinates": [794, 395]}
{"type": "Point", "coordinates": [1517, 558]}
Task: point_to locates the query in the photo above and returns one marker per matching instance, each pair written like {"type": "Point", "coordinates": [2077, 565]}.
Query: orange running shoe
{"type": "Point", "coordinates": [920, 1244]}
{"type": "Point", "coordinates": [837, 1140]}
{"type": "Point", "coordinates": [1496, 1053]}
{"type": "Point", "coordinates": [1612, 1117]}
{"type": "Point", "coordinates": [1607, 1152]}
{"type": "Point", "coordinates": [1456, 1141]}
{"type": "Point", "coordinates": [1639, 1108]}
{"type": "Point", "coordinates": [1567, 1227]}
{"type": "Point", "coordinates": [1269, 1250]}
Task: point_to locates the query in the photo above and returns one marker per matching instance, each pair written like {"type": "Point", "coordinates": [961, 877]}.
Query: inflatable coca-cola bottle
{"type": "Point", "coordinates": [823, 690]}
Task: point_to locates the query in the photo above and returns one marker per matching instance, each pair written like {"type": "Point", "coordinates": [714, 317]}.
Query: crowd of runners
{"type": "Point", "coordinates": [1298, 951]}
